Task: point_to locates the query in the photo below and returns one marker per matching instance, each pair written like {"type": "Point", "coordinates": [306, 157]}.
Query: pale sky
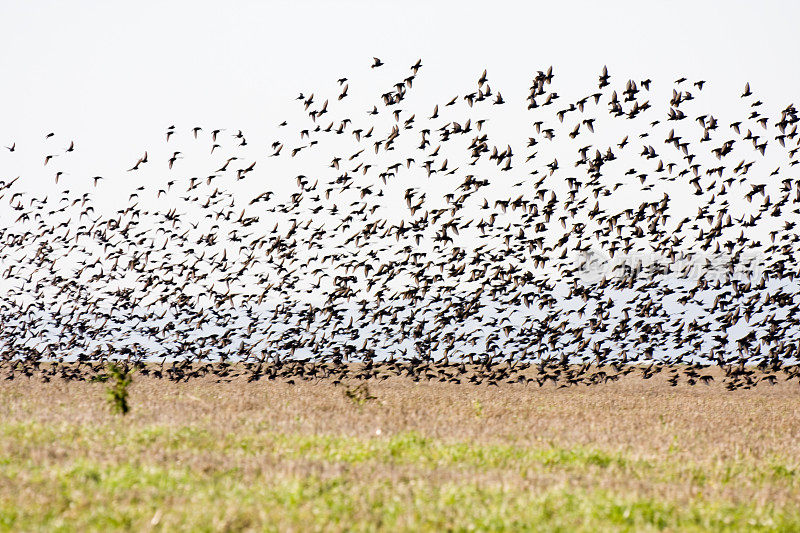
{"type": "Point", "coordinates": [106, 72]}
{"type": "Point", "coordinates": [112, 78]}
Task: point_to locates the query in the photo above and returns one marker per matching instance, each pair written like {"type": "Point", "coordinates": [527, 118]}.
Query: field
{"type": "Point", "coordinates": [629, 455]}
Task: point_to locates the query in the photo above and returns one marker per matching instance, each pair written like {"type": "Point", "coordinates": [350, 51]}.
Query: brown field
{"type": "Point", "coordinates": [627, 455]}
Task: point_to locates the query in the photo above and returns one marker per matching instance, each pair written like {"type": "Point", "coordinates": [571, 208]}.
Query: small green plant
{"type": "Point", "coordinates": [359, 395]}
{"type": "Point", "coordinates": [120, 377]}
{"type": "Point", "coordinates": [477, 407]}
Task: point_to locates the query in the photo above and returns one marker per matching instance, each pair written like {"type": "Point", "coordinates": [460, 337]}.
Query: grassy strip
{"type": "Point", "coordinates": [103, 476]}
{"type": "Point", "coordinates": [409, 448]}
{"type": "Point", "coordinates": [91, 497]}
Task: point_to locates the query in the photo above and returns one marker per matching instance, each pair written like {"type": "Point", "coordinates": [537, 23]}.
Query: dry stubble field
{"type": "Point", "coordinates": [630, 455]}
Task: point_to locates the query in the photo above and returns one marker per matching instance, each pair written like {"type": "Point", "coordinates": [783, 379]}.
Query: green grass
{"type": "Point", "coordinates": [407, 448]}
{"type": "Point", "coordinates": [250, 457]}
{"type": "Point", "coordinates": [88, 496]}
{"type": "Point", "coordinates": [94, 477]}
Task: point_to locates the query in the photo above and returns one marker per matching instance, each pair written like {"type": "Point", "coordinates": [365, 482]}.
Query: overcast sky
{"type": "Point", "coordinates": [112, 77]}
{"type": "Point", "coordinates": [104, 66]}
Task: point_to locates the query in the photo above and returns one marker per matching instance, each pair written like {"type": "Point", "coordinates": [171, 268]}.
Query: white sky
{"type": "Point", "coordinates": [113, 77]}
{"type": "Point", "coordinates": [101, 70]}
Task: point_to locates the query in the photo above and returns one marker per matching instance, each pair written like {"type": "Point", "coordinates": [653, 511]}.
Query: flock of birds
{"type": "Point", "coordinates": [414, 243]}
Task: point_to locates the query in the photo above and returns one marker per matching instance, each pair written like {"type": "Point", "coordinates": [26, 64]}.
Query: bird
{"type": "Point", "coordinates": [141, 160]}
